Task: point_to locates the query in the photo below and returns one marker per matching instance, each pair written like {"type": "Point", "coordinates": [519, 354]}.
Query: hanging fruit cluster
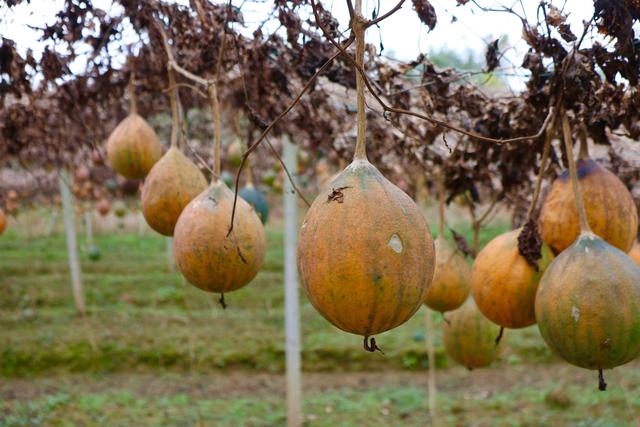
{"type": "Point", "coordinates": [588, 302]}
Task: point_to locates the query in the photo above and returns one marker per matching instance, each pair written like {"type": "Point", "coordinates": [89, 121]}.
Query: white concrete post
{"type": "Point", "coordinates": [292, 302]}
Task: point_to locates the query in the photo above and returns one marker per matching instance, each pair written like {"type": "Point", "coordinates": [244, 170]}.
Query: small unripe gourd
{"type": "Point", "coordinates": [171, 184]}
{"type": "Point", "coordinates": [120, 210]}
{"type": "Point", "coordinates": [450, 287]}
{"type": "Point", "coordinates": [205, 255]}
{"type": "Point", "coordinates": [588, 305]}
{"type": "Point", "coordinates": [469, 337]}
{"type": "Point", "coordinates": [610, 209]}
{"type": "Point", "coordinates": [257, 200]}
{"type": "Point", "coordinates": [504, 284]}
{"type": "Point", "coordinates": [365, 254]}
{"type": "Point", "coordinates": [133, 147]}
{"type": "Point", "coordinates": [234, 153]}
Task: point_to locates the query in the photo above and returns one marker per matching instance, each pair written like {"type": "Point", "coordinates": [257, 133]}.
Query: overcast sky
{"type": "Point", "coordinates": [403, 35]}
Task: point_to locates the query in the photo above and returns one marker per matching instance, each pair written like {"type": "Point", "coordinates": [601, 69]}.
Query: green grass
{"type": "Point", "coordinates": [141, 316]}
{"type": "Point", "coordinates": [146, 325]}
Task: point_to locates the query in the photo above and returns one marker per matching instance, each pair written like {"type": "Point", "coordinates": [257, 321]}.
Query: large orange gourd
{"type": "Point", "coordinates": [469, 338]}
{"type": "Point", "coordinates": [365, 256]}
{"type": "Point", "coordinates": [205, 255]}
{"type": "Point", "coordinates": [610, 209]}
{"type": "Point", "coordinates": [504, 284]}
{"type": "Point", "coordinates": [208, 253]}
{"type": "Point", "coordinates": [365, 253]}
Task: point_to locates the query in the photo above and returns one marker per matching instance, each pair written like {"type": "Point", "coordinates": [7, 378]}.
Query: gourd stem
{"type": "Point", "coordinates": [543, 167]}
{"type": "Point", "coordinates": [247, 162]}
{"type": "Point", "coordinates": [582, 214]}
{"type": "Point", "coordinates": [602, 385]}
{"type": "Point", "coordinates": [441, 204]}
{"type": "Point", "coordinates": [431, 373]}
{"type": "Point", "coordinates": [131, 88]}
{"type": "Point", "coordinates": [217, 131]}
{"type": "Point", "coordinates": [173, 100]}
{"type": "Point", "coordinates": [584, 144]}
{"type": "Point", "coordinates": [358, 25]}
{"type": "Point", "coordinates": [500, 335]}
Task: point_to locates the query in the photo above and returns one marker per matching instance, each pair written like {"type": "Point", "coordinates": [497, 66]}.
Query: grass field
{"type": "Point", "coordinates": [156, 351]}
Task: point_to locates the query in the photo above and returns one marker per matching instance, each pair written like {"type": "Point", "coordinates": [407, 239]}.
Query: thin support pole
{"type": "Point", "coordinates": [292, 309]}
{"type": "Point", "coordinates": [88, 224]}
{"type": "Point", "coordinates": [72, 243]}
{"type": "Point", "coordinates": [431, 375]}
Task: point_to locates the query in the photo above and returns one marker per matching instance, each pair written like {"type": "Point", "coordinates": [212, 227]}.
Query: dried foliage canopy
{"type": "Point", "coordinates": [52, 113]}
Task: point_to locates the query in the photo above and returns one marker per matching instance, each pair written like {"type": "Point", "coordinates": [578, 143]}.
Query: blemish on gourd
{"type": "Point", "coordinates": [337, 195]}
{"type": "Point", "coordinates": [395, 244]}
{"type": "Point", "coordinates": [575, 313]}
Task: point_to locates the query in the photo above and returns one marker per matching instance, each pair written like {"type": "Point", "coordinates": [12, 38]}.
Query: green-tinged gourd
{"type": "Point", "coordinates": [504, 284]}
{"type": "Point", "coordinates": [610, 209]}
{"type": "Point", "coordinates": [450, 287]}
{"type": "Point", "coordinates": [205, 255]}
{"type": "Point", "coordinates": [119, 209]}
{"type": "Point", "coordinates": [257, 200]}
{"type": "Point", "coordinates": [469, 337]}
{"type": "Point", "coordinates": [133, 147]}
{"type": "Point", "coordinates": [365, 254]}
{"type": "Point", "coordinates": [227, 178]}
{"type": "Point", "coordinates": [588, 305]}
{"type": "Point", "coordinates": [94, 253]}
{"type": "Point", "coordinates": [172, 183]}
{"type": "Point", "coordinates": [234, 153]}
{"type": "Point", "coordinates": [269, 178]}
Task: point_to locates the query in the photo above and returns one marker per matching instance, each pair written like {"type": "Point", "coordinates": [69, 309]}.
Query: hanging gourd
{"type": "Point", "coordinates": [103, 207]}
{"type": "Point", "coordinates": [469, 337]}
{"type": "Point", "coordinates": [133, 147]}
{"type": "Point", "coordinates": [588, 301]}
{"type": "Point", "coordinates": [450, 287]}
{"type": "Point", "coordinates": [3, 221]}
{"type": "Point", "coordinates": [504, 284]}
{"type": "Point", "coordinates": [257, 200]}
{"type": "Point", "coordinates": [634, 253]}
{"type": "Point", "coordinates": [234, 153]}
{"type": "Point", "coordinates": [119, 209]}
{"type": "Point", "coordinates": [365, 253]}
{"type": "Point", "coordinates": [207, 255]}
{"type": "Point", "coordinates": [173, 181]}
{"type": "Point", "coordinates": [610, 208]}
